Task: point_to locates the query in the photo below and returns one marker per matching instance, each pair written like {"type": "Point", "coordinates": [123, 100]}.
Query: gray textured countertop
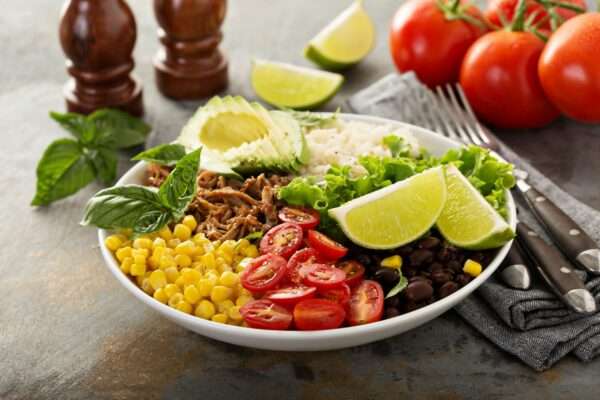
{"type": "Point", "coordinates": [69, 331]}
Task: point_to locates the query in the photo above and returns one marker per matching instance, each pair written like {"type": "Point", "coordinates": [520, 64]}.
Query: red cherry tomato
{"type": "Point", "coordinates": [314, 314]}
{"type": "Point", "coordinates": [264, 273]}
{"type": "Point", "coordinates": [354, 271]}
{"type": "Point", "coordinates": [323, 276]}
{"type": "Point", "coordinates": [366, 303]}
{"type": "Point", "coordinates": [569, 68]}
{"type": "Point", "coordinates": [290, 295]}
{"type": "Point", "coordinates": [328, 248]}
{"type": "Point", "coordinates": [339, 294]}
{"type": "Point", "coordinates": [282, 240]}
{"type": "Point", "coordinates": [300, 258]}
{"type": "Point", "coordinates": [424, 40]}
{"type": "Point", "coordinates": [264, 314]}
{"type": "Point", "coordinates": [500, 78]}
{"type": "Point", "coordinates": [507, 9]}
{"type": "Point", "coordinates": [306, 218]}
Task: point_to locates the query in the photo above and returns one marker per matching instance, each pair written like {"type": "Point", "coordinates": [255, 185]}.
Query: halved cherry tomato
{"type": "Point", "coordinates": [314, 314]}
{"type": "Point", "coordinates": [300, 258]}
{"type": "Point", "coordinates": [264, 273]}
{"type": "Point", "coordinates": [282, 240]}
{"type": "Point", "coordinates": [264, 314]}
{"type": "Point", "coordinates": [289, 295]}
{"type": "Point", "coordinates": [354, 271]}
{"type": "Point", "coordinates": [366, 303]}
{"type": "Point", "coordinates": [327, 247]}
{"type": "Point", "coordinates": [339, 294]}
{"type": "Point", "coordinates": [324, 276]}
{"type": "Point", "coordinates": [305, 217]}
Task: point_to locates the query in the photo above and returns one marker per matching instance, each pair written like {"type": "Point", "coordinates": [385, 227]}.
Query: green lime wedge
{"type": "Point", "coordinates": [290, 86]}
{"type": "Point", "coordinates": [395, 215]}
{"type": "Point", "coordinates": [468, 220]}
{"type": "Point", "coordinates": [345, 41]}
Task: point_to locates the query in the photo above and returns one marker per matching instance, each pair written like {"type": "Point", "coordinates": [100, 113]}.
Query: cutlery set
{"type": "Point", "coordinates": [450, 114]}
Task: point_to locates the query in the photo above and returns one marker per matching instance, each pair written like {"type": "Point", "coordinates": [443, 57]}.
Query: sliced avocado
{"type": "Point", "coordinates": [294, 134]}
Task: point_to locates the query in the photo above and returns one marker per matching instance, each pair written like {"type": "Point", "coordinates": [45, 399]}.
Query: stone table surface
{"type": "Point", "coordinates": [69, 331]}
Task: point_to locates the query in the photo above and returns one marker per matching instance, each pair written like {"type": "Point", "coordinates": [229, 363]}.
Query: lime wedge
{"type": "Point", "coordinates": [468, 220]}
{"type": "Point", "coordinates": [395, 215]}
{"type": "Point", "coordinates": [286, 85]}
{"type": "Point", "coordinates": [345, 41]}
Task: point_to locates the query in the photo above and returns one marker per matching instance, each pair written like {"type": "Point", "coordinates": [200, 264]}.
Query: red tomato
{"type": "Point", "coordinates": [328, 248]}
{"type": "Point", "coordinates": [300, 258]}
{"type": "Point", "coordinates": [264, 273]}
{"type": "Point", "coordinates": [314, 314]}
{"type": "Point", "coordinates": [290, 295]}
{"type": "Point", "coordinates": [424, 40]}
{"type": "Point", "coordinates": [499, 76]}
{"type": "Point", "coordinates": [366, 303]}
{"type": "Point", "coordinates": [339, 294]}
{"type": "Point", "coordinates": [283, 240]}
{"type": "Point", "coordinates": [569, 68]}
{"type": "Point", "coordinates": [354, 271]}
{"type": "Point", "coordinates": [264, 314]}
{"type": "Point", "coordinates": [323, 276]}
{"type": "Point", "coordinates": [305, 217]}
{"type": "Point", "coordinates": [507, 9]}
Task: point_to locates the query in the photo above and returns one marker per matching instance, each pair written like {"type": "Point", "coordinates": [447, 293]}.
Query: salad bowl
{"type": "Point", "coordinates": [323, 339]}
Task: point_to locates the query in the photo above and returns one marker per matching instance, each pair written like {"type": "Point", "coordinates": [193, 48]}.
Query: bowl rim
{"type": "Point", "coordinates": [436, 308]}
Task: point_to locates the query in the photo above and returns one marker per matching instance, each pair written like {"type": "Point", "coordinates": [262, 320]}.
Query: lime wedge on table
{"type": "Point", "coordinates": [345, 41]}
{"type": "Point", "coordinates": [286, 85]}
{"type": "Point", "coordinates": [468, 220]}
{"type": "Point", "coordinates": [395, 215]}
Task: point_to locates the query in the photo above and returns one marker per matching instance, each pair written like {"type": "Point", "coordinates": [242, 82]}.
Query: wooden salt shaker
{"type": "Point", "coordinates": [190, 65]}
{"type": "Point", "coordinates": [98, 37]}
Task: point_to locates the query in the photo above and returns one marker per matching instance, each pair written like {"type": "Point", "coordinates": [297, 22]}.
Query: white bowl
{"type": "Point", "coordinates": [325, 339]}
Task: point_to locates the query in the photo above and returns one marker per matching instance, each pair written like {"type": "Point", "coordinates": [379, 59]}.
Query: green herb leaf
{"type": "Point", "coordinates": [117, 130]}
{"type": "Point", "coordinates": [105, 163]}
{"type": "Point", "coordinates": [62, 171]}
{"type": "Point", "coordinates": [254, 235]}
{"type": "Point", "coordinates": [179, 189]}
{"type": "Point", "coordinates": [164, 154]}
{"type": "Point", "coordinates": [400, 286]}
{"type": "Point", "coordinates": [76, 124]}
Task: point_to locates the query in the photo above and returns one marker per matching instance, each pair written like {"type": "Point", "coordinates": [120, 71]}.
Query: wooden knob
{"type": "Point", "coordinates": [189, 65]}
{"type": "Point", "coordinates": [98, 39]}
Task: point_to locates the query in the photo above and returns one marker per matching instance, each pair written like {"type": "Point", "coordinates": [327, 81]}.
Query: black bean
{"type": "Point", "coordinates": [441, 276]}
{"type": "Point", "coordinates": [455, 266]}
{"type": "Point", "coordinates": [391, 312]}
{"type": "Point", "coordinates": [443, 254]}
{"type": "Point", "coordinates": [419, 278]}
{"type": "Point", "coordinates": [364, 259]}
{"type": "Point", "coordinates": [447, 289]}
{"type": "Point", "coordinates": [418, 291]}
{"type": "Point", "coordinates": [405, 250]}
{"type": "Point", "coordinates": [420, 257]}
{"type": "Point", "coordinates": [387, 276]}
{"type": "Point", "coordinates": [429, 243]}
{"type": "Point", "coordinates": [462, 279]}
{"type": "Point", "coordinates": [435, 266]}
{"type": "Point", "coordinates": [392, 301]}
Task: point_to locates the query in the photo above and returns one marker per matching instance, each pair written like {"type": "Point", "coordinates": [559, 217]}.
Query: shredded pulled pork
{"type": "Point", "coordinates": [228, 208]}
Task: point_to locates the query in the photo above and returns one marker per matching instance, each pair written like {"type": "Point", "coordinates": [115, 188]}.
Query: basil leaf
{"type": "Point", "coordinates": [179, 189]}
{"type": "Point", "coordinates": [117, 129]}
{"type": "Point", "coordinates": [105, 163]}
{"type": "Point", "coordinates": [62, 171]}
{"type": "Point", "coordinates": [76, 124]}
{"type": "Point", "coordinates": [400, 286]}
{"type": "Point", "coordinates": [164, 154]}
{"type": "Point", "coordinates": [130, 206]}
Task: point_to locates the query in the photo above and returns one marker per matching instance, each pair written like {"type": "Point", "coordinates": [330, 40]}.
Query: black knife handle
{"type": "Point", "coordinates": [564, 231]}
{"type": "Point", "coordinates": [515, 255]}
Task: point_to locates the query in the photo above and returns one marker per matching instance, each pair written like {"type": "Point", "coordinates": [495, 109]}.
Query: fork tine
{"type": "Point", "coordinates": [431, 115]}
{"type": "Point", "coordinates": [471, 115]}
{"type": "Point", "coordinates": [450, 117]}
{"type": "Point", "coordinates": [417, 112]}
{"type": "Point", "coordinates": [460, 117]}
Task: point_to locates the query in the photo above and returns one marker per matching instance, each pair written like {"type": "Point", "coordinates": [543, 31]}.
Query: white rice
{"type": "Point", "coordinates": [342, 145]}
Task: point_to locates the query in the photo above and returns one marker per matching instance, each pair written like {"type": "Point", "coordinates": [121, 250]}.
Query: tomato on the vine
{"type": "Point", "coordinates": [535, 10]}
{"type": "Point", "coordinates": [431, 37]}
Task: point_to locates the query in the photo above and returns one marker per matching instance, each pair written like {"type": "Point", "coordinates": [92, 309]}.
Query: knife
{"type": "Point", "coordinates": [515, 272]}
{"type": "Point", "coordinates": [565, 232]}
{"type": "Point", "coordinates": [557, 271]}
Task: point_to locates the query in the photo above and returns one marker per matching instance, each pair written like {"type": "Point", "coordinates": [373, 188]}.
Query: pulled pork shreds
{"type": "Point", "coordinates": [228, 208]}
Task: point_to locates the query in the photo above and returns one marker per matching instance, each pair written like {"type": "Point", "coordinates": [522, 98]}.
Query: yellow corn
{"type": "Point", "coordinates": [122, 253]}
{"type": "Point", "coordinates": [191, 294]}
{"type": "Point", "coordinates": [190, 276]}
{"type": "Point", "coordinates": [166, 262]}
{"type": "Point", "coordinates": [208, 260]}
{"type": "Point", "coordinates": [113, 242]}
{"type": "Point", "coordinates": [183, 260]}
{"type": "Point", "coordinates": [142, 243]}
{"type": "Point", "coordinates": [147, 286]}
{"type": "Point", "coordinates": [243, 300]}
{"type": "Point", "coordinates": [180, 282]}
{"type": "Point", "coordinates": [175, 299]}
{"type": "Point", "coordinates": [182, 232]}
{"type": "Point", "coordinates": [138, 269]}
{"type": "Point", "coordinates": [159, 243]}
{"type": "Point", "coordinates": [172, 274]}
{"type": "Point", "coordinates": [184, 306]}
{"type": "Point", "coordinates": [224, 305]}
{"type": "Point", "coordinates": [220, 293]}
{"type": "Point", "coordinates": [472, 268]}
{"type": "Point", "coordinates": [205, 287]}
{"type": "Point", "coordinates": [190, 222]}
{"type": "Point", "coordinates": [172, 243]}
{"type": "Point", "coordinates": [161, 296]}
{"type": "Point", "coordinates": [158, 279]}
{"type": "Point", "coordinates": [242, 244]}
{"type": "Point", "coordinates": [165, 233]}
{"type": "Point", "coordinates": [171, 289]}
{"type": "Point", "coordinates": [126, 265]}
{"type": "Point", "coordinates": [186, 247]}
{"type": "Point", "coordinates": [392, 262]}
{"type": "Point", "coordinates": [229, 279]}
{"type": "Point", "coordinates": [220, 318]}
{"type": "Point", "coordinates": [234, 313]}
{"type": "Point", "coordinates": [205, 309]}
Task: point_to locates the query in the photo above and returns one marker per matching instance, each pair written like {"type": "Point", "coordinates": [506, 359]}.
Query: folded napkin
{"type": "Point", "coordinates": [533, 325]}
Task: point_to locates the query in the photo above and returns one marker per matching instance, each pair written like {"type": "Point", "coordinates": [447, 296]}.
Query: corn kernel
{"type": "Point", "coordinates": [159, 243]}
{"type": "Point", "coordinates": [200, 239]}
{"type": "Point", "coordinates": [182, 232]}
{"type": "Point", "coordinates": [220, 293]}
{"type": "Point", "coordinates": [190, 222]}
{"type": "Point", "coordinates": [205, 287]}
{"type": "Point", "coordinates": [243, 300]}
{"type": "Point", "coordinates": [152, 263]}
{"type": "Point", "coordinates": [392, 262]}
{"type": "Point", "coordinates": [191, 294]}
{"type": "Point", "coordinates": [183, 261]}
{"type": "Point", "coordinates": [138, 269]}
{"type": "Point", "coordinates": [126, 265]}
{"type": "Point", "coordinates": [113, 242]}
{"type": "Point", "coordinates": [229, 279]}
{"type": "Point", "coordinates": [158, 279]}
{"type": "Point", "coordinates": [208, 260]}
{"type": "Point", "coordinates": [165, 233]}
{"type": "Point", "coordinates": [171, 289]}
{"type": "Point", "coordinates": [472, 268]}
{"type": "Point", "coordinates": [187, 247]}
{"type": "Point", "coordinates": [172, 243]}
{"type": "Point", "coordinates": [242, 244]}
{"type": "Point", "coordinates": [167, 262]}
{"type": "Point", "coordinates": [250, 251]}
{"type": "Point", "coordinates": [147, 286]}
{"type": "Point", "coordinates": [122, 253]}
{"type": "Point", "coordinates": [220, 318]}
{"type": "Point", "coordinates": [180, 282]}
{"type": "Point", "coordinates": [142, 243]}
{"type": "Point", "coordinates": [175, 299]}
{"type": "Point", "coordinates": [224, 305]}
{"type": "Point", "coordinates": [184, 306]}
{"type": "Point", "coordinates": [161, 296]}
{"type": "Point", "coordinates": [234, 313]}
{"type": "Point", "coordinates": [190, 276]}
{"type": "Point", "coordinates": [205, 309]}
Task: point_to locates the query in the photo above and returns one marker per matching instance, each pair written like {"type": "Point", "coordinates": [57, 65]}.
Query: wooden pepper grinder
{"type": "Point", "coordinates": [98, 37]}
{"type": "Point", "coordinates": [190, 65]}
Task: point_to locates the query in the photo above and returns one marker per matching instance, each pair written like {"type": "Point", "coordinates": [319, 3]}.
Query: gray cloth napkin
{"type": "Point", "coordinates": [533, 325]}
